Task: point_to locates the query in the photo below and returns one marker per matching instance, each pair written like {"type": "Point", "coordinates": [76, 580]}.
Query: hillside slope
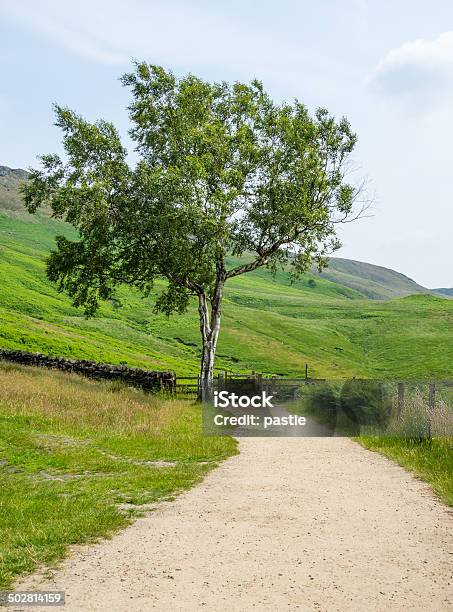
{"type": "Point", "coordinates": [10, 198]}
{"type": "Point", "coordinates": [446, 291]}
{"type": "Point", "coordinates": [269, 324]}
{"type": "Point", "coordinates": [374, 282]}
{"type": "Point", "coordinates": [367, 280]}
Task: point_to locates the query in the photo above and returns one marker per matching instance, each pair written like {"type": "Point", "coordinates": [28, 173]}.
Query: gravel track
{"type": "Point", "coordinates": [289, 524]}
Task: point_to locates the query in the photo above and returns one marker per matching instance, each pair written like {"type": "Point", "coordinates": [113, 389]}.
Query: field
{"type": "Point", "coordinates": [80, 458]}
{"type": "Point", "coordinates": [268, 324]}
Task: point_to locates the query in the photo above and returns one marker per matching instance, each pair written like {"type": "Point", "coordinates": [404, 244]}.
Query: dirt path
{"type": "Point", "coordinates": [289, 524]}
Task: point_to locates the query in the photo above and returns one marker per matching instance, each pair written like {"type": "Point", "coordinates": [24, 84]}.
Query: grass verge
{"type": "Point", "coordinates": [79, 459]}
{"type": "Point", "coordinates": [430, 460]}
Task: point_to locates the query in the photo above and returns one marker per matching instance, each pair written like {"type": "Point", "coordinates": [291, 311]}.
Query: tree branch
{"type": "Point", "coordinates": [262, 260]}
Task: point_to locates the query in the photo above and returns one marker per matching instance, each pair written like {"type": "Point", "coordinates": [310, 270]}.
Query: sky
{"type": "Point", "coordinates": [386, 65]}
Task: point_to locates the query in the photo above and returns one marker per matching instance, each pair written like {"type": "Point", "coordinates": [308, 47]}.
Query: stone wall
{"type": "Point", "coordinates": [145, 379]}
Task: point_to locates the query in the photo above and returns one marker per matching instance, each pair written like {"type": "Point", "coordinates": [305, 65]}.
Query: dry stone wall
{"type": "Point", "coordinates": [145, 379]}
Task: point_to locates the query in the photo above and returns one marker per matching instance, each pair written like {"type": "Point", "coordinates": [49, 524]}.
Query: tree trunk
{"type": "Point", "coordinates": [207, 372]}
{"type": "Point", "coordinates": [210, 328]}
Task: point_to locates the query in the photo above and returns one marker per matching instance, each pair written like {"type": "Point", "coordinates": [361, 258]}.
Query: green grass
{"type": "Point", "coordinates": [74, 461]}
{"type": "Point", "coordinates": [432, 461]}
{"type": "Point", "coordinates": [268, 324]}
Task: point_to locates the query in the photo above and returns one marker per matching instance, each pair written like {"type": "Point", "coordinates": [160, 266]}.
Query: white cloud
{"type": "Point", "coordinates": [420, 71]}
{"type": "Point", "coordinates": [177, 34]}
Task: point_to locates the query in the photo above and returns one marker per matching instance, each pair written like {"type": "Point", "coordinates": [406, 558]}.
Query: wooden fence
{"type": "Point", "coordinates": [286, 387]}
{"type": "Point", "coordinates": [187, 385]}
{"type": "Point", "coordinates": [433, 387]}
{"type": "Point", "coordinates": [252, 382]}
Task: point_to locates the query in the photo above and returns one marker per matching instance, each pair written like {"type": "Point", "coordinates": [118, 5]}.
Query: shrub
{"type": "Point", "coordinates": [366, 402]}
{"type": "Point", "coordinates": [322, 401]}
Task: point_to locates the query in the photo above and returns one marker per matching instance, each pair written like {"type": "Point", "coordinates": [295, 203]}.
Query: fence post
{"type": "Point", "coordinates": [306, 372]}
{"type": "Point", "coordinates": [220, 382]}
{"type": "Point", "coordinates": [274, 383]}
{"type": "Point", "coordinates": [400, 397]}
{"type": "Point", "coordinates": [432, 396]}
{"type": "Point", "coordinates": [259, 380]}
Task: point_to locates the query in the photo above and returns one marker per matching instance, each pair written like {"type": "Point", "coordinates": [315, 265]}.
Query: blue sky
{"type": "Point", "coordinates": [387, 66]}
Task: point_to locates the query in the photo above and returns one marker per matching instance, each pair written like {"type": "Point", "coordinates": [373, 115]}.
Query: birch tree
{"type": "Point", "coordinates": [222, 170]}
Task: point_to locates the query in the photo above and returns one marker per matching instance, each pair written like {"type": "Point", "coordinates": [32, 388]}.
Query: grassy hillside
{"type": "Point", "coordinates": [374, 282]}
{"type": "Point", "coordinates": [269, 325]}
{"type": "Point", "coordinates": [367, 280]}
{"type": "Point", "coordinates": [80, 458]}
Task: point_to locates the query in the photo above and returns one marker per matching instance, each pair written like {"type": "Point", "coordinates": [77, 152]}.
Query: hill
{"type": "Point", "coordinates": [269, 324]}
{"type": "Point", "coordinates": [374, 282]}
{"type": "Point", "coordinates": [366, 280]}
{"type": "Point", "coordinates": [10, 198]}
{"type": "Point", "coordinates": [444, 291]}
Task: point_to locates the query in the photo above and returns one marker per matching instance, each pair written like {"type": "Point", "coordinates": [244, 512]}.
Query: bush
{"type": "Point", "coordinates": [366, 402]}
{"type": "Point", "coordinates": [322, 401]}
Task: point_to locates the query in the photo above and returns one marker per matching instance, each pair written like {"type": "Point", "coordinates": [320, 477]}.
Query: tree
{"type": "Point", "coordinates": [222, 171]}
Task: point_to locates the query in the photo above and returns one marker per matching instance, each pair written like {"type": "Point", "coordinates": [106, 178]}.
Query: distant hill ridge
{"type": "Point", "coordinates": [371, 281]}
{"type": "Point", "coordinates": [374, 282]}
{"type": "Point", "coordinates": [10, 198]}
{"type": "Point", "coordinates": [17, 172]}
{"type": "Point", "coordinates": [444, 291]}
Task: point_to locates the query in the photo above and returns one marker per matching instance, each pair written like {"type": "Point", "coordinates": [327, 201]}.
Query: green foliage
{"type": "Point", "coordinates": [222, 170]}
{"type": "Point", "coordinates": [269, 324]}
{"type": "Point", "coordinates": [322, 402]}
{"type": "Point", "coordinates": [366, 402]}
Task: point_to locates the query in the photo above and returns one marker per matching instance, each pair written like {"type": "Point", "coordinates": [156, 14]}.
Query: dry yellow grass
{"type": "Point", "coordinates": [71, 400]}
{"type": "Point", "coordinates": [78, 458]}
